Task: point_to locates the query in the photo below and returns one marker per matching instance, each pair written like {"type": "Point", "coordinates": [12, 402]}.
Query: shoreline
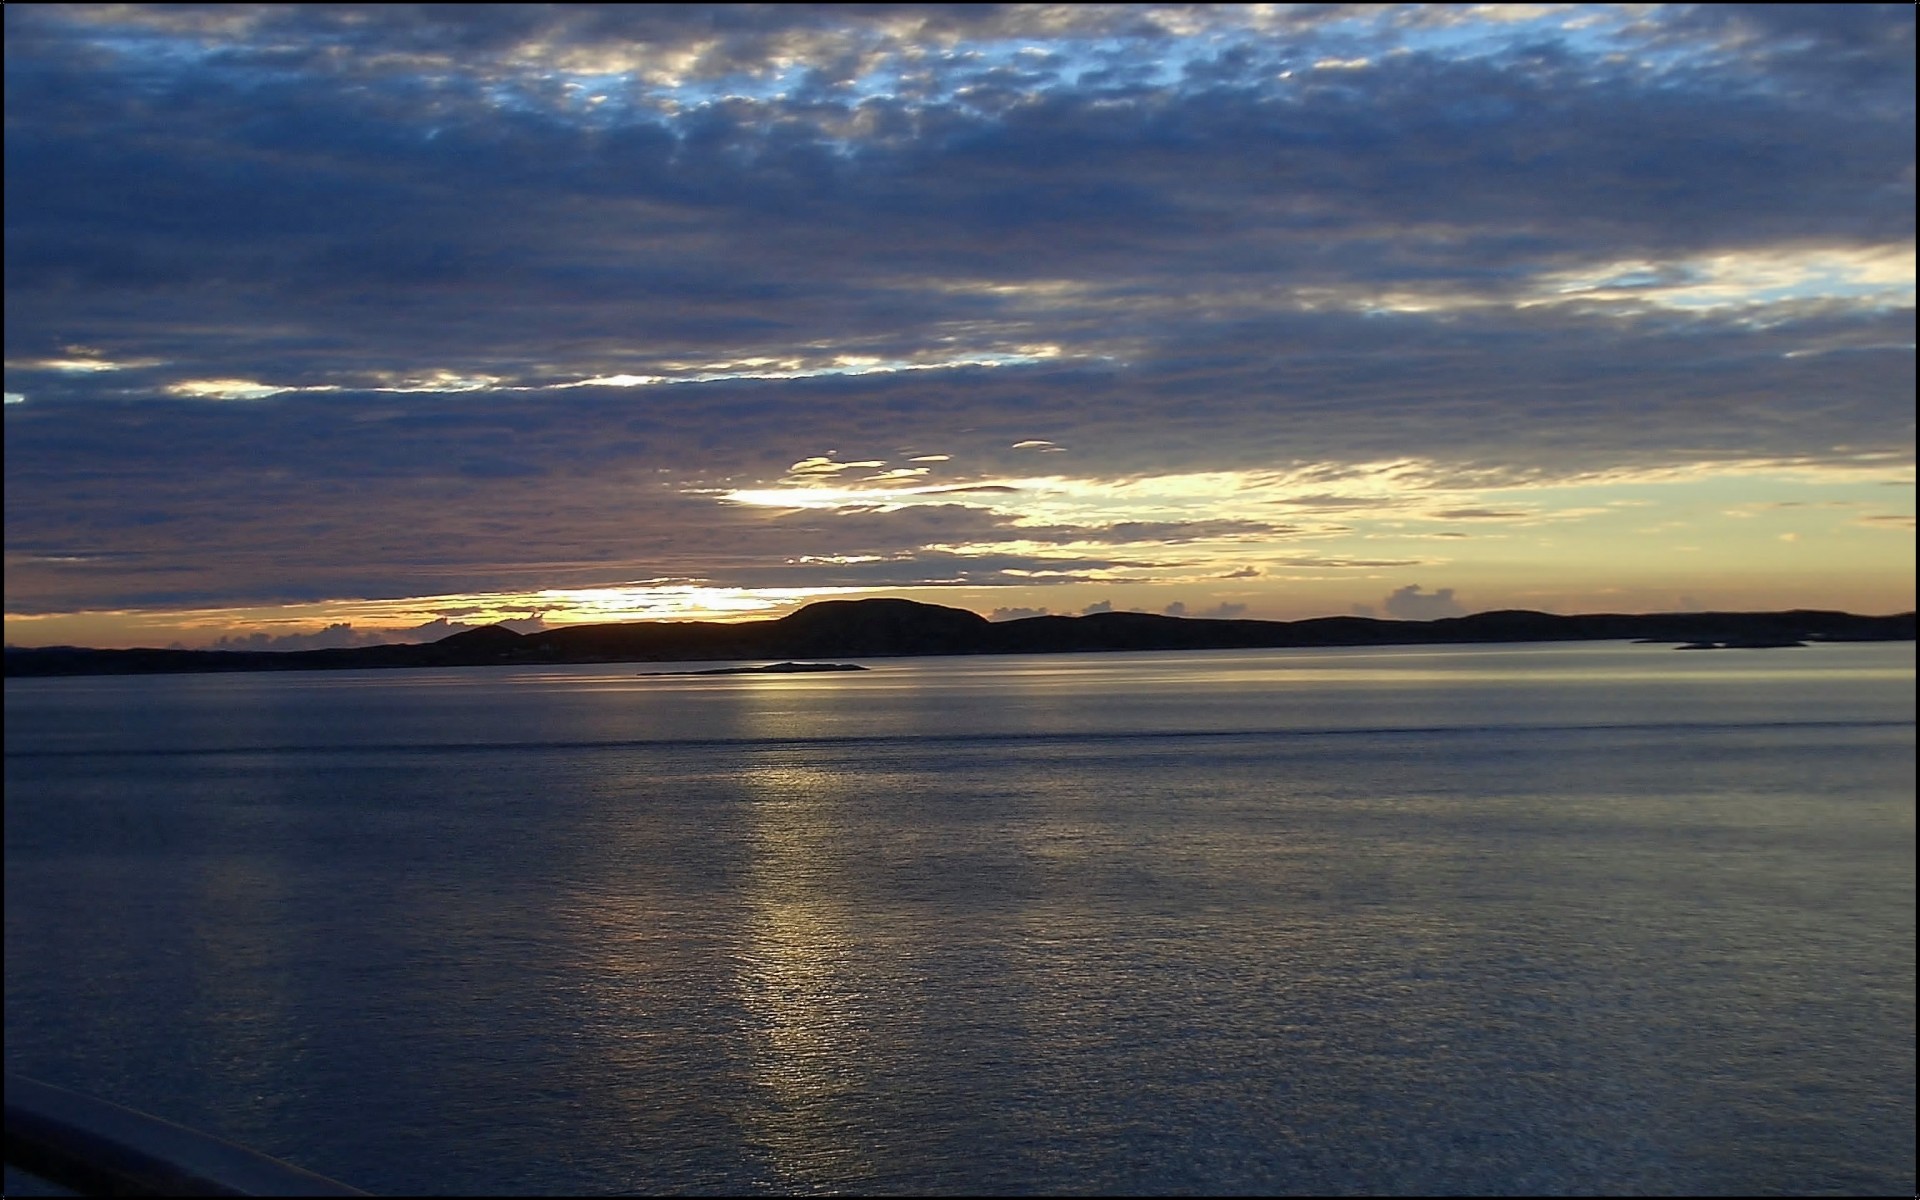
{"type": "Point", "coordinates": [883, 628]}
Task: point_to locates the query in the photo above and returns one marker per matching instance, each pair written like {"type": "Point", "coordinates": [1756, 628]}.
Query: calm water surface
{"type": "Point", "coordinates": [1568, 918]}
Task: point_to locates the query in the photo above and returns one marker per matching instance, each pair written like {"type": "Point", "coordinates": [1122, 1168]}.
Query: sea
{"type": "Point", "coordinates": [1597, 918]}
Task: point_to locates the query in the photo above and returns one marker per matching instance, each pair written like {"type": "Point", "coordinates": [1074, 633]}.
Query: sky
{"type": "Point", "coordinates": [334, 324]}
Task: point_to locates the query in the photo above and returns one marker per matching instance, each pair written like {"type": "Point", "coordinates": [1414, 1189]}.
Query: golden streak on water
{"type": "Point", "coordinates": [802, 979]}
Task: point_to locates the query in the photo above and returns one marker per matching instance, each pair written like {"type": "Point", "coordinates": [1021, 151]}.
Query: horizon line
{"type": "Point", "coordinates": [504, 627]}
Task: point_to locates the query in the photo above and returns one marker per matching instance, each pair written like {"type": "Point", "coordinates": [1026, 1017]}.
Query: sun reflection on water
{"type": "Point", "coordinates": [801, 978]}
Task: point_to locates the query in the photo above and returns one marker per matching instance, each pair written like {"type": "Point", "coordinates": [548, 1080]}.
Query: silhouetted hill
{"type": "Point", "coordinates": [885, 628]}
{"type": "Point", "coordinates": [879, 628]}
{"type": "Point", "coordinates": [488, 637]}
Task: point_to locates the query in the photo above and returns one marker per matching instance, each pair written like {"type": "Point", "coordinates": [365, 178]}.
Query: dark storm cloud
{"type": "Point", "coordinates": [1226, 256]}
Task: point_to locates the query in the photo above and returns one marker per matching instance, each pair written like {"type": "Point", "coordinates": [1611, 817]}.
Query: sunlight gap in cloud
{"type": "Point", "coordinates": [669, 600]}
{"type": "Point", "coordinates": [662, 601]}
{"type": "Point", "coordinates": [230, 389]}
{"type": "Point", "coordinates": [440, 381]}
{"type": "Point", "coordinates": [1651, 505]}
{"type": "Point", "coordinates": [446, 382]}
{"type": "Point", "coordinates": [1059, 499]}
{"type": "Point", "coordinates": [1302, 497]}
{"type": "Point", "coordinates": [908, 58]}
{"type": "Point", "coordinates": [82, 363]}
{"type": "Point", "coordinates": [1872, 277]}
{"type": "Point", "coordinates": [796, 368]}
{"type": "Point", "coordinates": [1876, 275]}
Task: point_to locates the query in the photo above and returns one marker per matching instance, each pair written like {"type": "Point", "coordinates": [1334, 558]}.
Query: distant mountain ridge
{"type": "Point", "coordinates": [886, 628]}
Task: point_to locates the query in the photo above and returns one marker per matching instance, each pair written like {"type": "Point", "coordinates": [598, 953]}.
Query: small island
{"type": "Point", "coordinates": [785, 668]}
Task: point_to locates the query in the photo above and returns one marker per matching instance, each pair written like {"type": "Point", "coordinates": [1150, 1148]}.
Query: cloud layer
{"type": "Point", "coordinates": [338, 301]}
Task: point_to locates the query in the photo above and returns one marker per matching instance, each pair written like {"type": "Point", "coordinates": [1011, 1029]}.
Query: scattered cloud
{"type": "Point", "coordinates": [1482, 514]}
{"type": "Point", "coordinates": [342, 635]}
{"type": "Point", "coordinates": [333, 637]}
{"type": "Point", "coordinates": [1221, 611]}
{"type": "Point", "coordinates": [1016, 614]}
{"type": "Point", "coordinates": [1410, 603]}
